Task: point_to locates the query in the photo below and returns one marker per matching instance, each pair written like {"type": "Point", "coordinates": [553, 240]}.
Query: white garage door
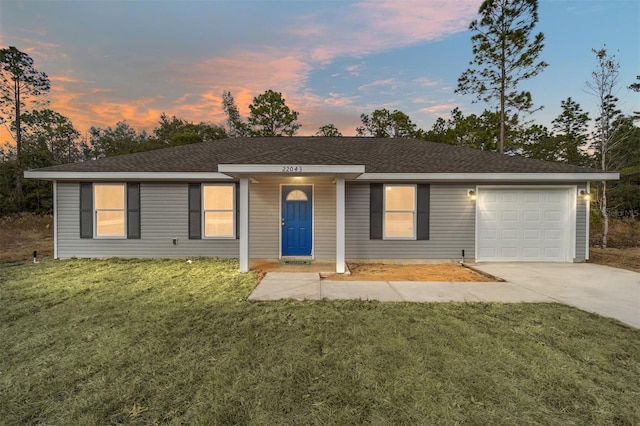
{"type": "Point", "coordinates": [524, 225]}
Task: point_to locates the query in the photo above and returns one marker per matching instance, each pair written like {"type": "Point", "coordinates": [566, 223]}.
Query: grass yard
{"type": "Point", "coordinates": [161, 341]}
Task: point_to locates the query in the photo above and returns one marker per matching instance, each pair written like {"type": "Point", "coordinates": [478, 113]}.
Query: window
{"type": "Point", "coordinates": [217, 210]}
{"type": "Point", "coordinates": [296, 195]}
{"type": "Point", "coordinates": [109, 210]}
{"type": "Point", "coordinates": [399, 212]}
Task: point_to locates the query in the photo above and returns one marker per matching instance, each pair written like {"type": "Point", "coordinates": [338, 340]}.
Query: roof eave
{"type": "Point", "coordinates": [490, 177]}
{"type": "Point", "coordinates": [141, 176]}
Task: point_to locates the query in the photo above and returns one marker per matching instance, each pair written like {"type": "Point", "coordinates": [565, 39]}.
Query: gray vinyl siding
{"type": "Point", "coordinates": [451, 224]}
{"type": "Point", "coordinates": [581, 226]}
{"type": "Point", "coordinates": [163, 216]}
{"type": "Point", "coordinates": [264, 218]}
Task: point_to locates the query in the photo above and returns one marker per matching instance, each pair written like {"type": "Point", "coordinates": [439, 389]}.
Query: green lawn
{"type": "Point", "coordinates": [129, 341]}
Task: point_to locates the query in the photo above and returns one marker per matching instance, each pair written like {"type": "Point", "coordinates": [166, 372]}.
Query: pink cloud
{"type": "Point", "coordinates": [248, 69]}
{"type": "Point", "coordinates": [439, 110]}
{"type": "Point", "coordinates": [376, 25]}
{"type": "Point", "coordinates": [427, 82]}
{"type": "Point", "coordinates": [339, 100]}
{"type": "Point", "coordinates": [391, 83]}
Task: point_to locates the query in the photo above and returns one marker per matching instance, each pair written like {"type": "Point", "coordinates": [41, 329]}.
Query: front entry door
{"type": "Point", "coordinates": [296, 220]}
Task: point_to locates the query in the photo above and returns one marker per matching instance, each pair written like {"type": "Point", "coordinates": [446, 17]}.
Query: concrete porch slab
{"type": "Point", "coordinates": [323, 267]}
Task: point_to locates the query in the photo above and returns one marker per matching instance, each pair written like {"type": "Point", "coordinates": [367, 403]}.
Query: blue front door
{"type": "Point", "coordinates": [296, 220]}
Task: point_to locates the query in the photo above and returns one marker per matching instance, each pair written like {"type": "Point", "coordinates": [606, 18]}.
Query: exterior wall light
{"type": "Point", "coordinates": [471, 193]}
{"type": "Point", "coordinates": [585, 195]}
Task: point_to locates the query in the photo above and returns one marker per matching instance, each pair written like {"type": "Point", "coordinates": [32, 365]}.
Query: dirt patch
{"type": "Point", "coordinates": [628, 258]}
{"type": "Point", "coordinates": [414, 272]}
{"type": "Point", "coordinates": [21, 235]}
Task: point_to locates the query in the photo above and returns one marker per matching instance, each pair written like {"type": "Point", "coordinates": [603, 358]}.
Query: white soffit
{"type": "Point", "coordinates": [490, 177]}
{"type": "Point", "coordinates": [146, 176]}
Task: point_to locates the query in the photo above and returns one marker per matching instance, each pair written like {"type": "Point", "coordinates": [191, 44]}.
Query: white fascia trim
{"type": "Point", "coordinates": [146, 176]}
{"type": "Point", "coordinates": [290, 169]}
{"type": "Point", "coordinates": [489, 177]}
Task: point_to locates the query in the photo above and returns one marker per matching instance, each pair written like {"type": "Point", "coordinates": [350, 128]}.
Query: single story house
{"type": "Point", "coordinates": [324, 198]}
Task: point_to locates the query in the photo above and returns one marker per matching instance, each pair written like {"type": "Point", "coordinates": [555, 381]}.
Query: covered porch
{"type": "Point", "coordinates": [291, 211]}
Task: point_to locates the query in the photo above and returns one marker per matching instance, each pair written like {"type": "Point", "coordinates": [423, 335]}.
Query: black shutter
{"type": "Point", "coordinates": [133, 211]}
{"type": "Point", "coordinates": [195, 211]}
{"type": "Point", "coordinates": [423, 212]}
{"type": "Point", "coordinates": [375, 211]}
{"type": "Point", "coordinates": [86, 210]}
{"type": "Point", "coordinates": [237, 206]}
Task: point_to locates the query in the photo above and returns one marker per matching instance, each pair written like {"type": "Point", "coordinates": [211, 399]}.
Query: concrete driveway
{"type": "Point", "coordinates": [610, 292]}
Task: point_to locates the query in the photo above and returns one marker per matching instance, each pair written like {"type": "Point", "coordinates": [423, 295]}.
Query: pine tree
{"type": "Point", "coordinates": [504, 55]}
{"type": "Point", "coordinates": [19, 81]}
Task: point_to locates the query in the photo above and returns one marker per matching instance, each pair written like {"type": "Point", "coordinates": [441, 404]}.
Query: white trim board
{"type": "Point", "coordinates": [146, 176]}
{"type": "Point", "coordinates": [489, 177]}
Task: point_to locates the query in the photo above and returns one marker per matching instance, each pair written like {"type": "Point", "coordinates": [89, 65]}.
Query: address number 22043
{"type": "Point", "coordinates": [292, 169]}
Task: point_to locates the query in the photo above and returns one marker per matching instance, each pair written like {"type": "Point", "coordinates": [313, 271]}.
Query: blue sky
{"type": "Point", "coordinates": [333, 60]}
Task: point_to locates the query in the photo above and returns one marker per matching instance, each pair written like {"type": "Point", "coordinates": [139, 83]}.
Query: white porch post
{"type": "Point", "coordinates": [340, 228]}
{"type": "Point", "coordinates": [244, 224]}
{"type": "Point", "coordinates": [588, 213]}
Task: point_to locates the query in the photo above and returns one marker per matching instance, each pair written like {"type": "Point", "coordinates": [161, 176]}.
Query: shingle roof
{"type": "Point", "coordinates": [378, 155]}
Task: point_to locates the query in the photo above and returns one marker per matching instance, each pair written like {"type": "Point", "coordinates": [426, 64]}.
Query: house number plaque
{"type": "Point", "coordinates": [291, 169]}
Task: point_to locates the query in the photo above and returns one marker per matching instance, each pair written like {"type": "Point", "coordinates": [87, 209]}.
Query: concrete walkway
{"type": "Point", "coordinates": [308, 286]}
{"type": "Point", "coordinates": [594, 288]}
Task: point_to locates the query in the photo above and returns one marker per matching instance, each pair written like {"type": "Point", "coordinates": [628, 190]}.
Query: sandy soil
{"type": "Point", "coordinates": [418, 272]}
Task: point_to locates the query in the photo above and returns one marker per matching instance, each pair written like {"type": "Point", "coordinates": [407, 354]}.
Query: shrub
{"type": "Point", "coordinates": [623, 232]}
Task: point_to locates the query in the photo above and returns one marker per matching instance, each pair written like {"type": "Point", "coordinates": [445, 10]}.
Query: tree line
{"type": "Point", "coordinates": [505, 52]}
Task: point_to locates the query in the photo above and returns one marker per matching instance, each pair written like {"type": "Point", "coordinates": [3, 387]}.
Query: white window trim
{"type": "Point", "coordinates": [95, 213]}
{"type": "Point", "coordinates": [233, 213]}
{"type": "Point", "coordinates": [414, 212]}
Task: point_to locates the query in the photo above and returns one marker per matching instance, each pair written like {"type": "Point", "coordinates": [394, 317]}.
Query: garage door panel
{"type": "Point", "coordinates": [552, 234]}
{"type": "Point", "coordinates": [488, 216]}
{"type": "Point", "coordinates": [555, 197]}
{"type": "Point", "coordinates": [553, 215]}
{"type": "Point", "coordinates": [510, 197]}
{"type": "Point", "coordinates": [532, 197]}
{"type": "Point", "coordinates": [509, 216]}
{"type": "Point", "coordinates": [489, 234]}
{"type": "Point", "coordinates": [530, 252]}
{"type": "Point", "coordinates": [509, 252]}
{"type": "Point", "coordinates": [523, 224]}
{"type": "Point", "coordinates": [509, 234]}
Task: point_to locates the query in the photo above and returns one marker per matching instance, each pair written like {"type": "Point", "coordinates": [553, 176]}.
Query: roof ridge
{"type": "Point", "coordinates": [299, 148]}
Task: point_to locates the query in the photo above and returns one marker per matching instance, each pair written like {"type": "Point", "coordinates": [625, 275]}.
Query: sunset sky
{"type": "Point", "coordinates": [110, 61]}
